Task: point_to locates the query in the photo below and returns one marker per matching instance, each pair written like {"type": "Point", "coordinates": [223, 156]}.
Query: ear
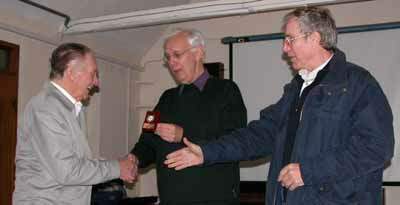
{"type": "Point", "coordinates": [315, 37]}
{"type": "Point", "coordinates": [200, 53]}
{"type": "Point", "coordinates": [69, 74]}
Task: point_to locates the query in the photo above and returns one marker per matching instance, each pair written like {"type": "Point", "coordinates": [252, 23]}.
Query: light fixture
{"type": "Point", "coordinates": [185, 12]}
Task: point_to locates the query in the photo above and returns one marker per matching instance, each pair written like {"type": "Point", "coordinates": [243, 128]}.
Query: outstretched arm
{"type": "Point", "coordinates": [185, 157]}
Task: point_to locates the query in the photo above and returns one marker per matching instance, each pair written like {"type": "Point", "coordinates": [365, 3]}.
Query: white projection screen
{"type": "Point", "coordinates": [260, 72]}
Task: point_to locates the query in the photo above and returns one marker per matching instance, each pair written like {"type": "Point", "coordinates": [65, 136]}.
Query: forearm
{"type": "Point", "coordinates": [244, 144]}
{"type": "Point", "coordinates": [144, 150]}
{"type": "Point", "coordinates": [86, 171]}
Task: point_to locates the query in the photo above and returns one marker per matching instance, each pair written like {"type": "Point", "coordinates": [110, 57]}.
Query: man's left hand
{"type": "Point", "coordinates": [290, 176]}
{"type": "Point", "coordinates": [169, 132]}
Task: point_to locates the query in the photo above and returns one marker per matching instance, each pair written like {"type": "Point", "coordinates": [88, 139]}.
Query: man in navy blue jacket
{"type": "Point", "coordinates": [329, 135]}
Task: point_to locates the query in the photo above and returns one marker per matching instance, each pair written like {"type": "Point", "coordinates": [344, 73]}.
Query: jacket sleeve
{"type": "Point", "coordinates": [57, 151]}
{"type": "Point", "coordinates": [370, 144]}
{"type": "Point", "coordinates": [254, 141]}
{"type": "Point", "coordinates": [145, 148]}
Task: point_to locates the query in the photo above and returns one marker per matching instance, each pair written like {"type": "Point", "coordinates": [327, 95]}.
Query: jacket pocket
{"type": "Point", "coordinates": [338, 193]}
{"type": "Point", "coordinates": [330, 101]}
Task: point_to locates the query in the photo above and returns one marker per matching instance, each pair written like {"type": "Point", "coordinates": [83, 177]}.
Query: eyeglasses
{"type": "Point", "coordinates": [176, 54]}
{"type": "Point", "coordinates": [289, 40]}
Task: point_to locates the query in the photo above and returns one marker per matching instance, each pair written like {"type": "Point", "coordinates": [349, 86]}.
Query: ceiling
{"type": "Point", "coordinates": [78, 9]}
{"type": "Point", "coordinates": [128, 45]}
{"type": "Point", "coordinates": [131, 43]}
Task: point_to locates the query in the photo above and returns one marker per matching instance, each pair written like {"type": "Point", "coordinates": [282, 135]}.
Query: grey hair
{"type": "Point", "coordinates": [315, 19]}
{"type": "Point", "coordinates": [194, 36]}
{"type": "Point", "coordinates": [65, 54]}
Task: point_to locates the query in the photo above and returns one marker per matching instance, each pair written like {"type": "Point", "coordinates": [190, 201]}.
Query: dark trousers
{"type": "Point", "coordinates": [236, 202]}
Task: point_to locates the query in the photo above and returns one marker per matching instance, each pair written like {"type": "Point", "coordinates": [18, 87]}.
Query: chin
{"type": "Point", "coordinates": [85, 97]}
{"type": "Point", "coordinates": [181, 80]}
{"type": "Point", "coordinates": [296, 67]}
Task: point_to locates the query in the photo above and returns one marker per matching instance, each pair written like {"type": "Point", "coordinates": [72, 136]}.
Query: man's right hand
{"type": "Point", "coordinates": [191, 155]}
{"type": "Point", "coordinates": [128, 168]}
{"type": "Point", "coordinates": [135, 169]}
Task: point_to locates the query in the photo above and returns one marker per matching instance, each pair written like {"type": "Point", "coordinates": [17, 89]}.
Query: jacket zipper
{"type": "Point", "coordinates": [299, 127]}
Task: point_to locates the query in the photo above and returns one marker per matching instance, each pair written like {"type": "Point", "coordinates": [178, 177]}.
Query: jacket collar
{"type": "Point", "coordinates": [53, 91]}
{"type": "Point", "coordinates": [337, 69]}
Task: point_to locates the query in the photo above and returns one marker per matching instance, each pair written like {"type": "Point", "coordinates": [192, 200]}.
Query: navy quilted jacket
{"type": "Point", "coordinates": [344, 138]}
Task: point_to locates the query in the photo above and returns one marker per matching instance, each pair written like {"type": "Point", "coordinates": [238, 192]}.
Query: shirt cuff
{"type": "Point", "coordinates": [115, 169]}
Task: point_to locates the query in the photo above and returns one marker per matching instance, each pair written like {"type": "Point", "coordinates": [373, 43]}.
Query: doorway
{"type": "Point", "coordinates": [9, 58]}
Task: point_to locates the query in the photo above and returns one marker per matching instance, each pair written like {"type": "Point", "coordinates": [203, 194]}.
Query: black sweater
{"type": "Point", "coordinates": [204, 115]}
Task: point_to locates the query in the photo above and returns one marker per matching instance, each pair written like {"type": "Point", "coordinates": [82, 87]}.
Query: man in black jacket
{"type": "Point", "coordinates": [200, 108]}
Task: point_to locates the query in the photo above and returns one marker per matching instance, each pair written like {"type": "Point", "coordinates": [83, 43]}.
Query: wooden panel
{"type": "Point", "coordinates": [8, 121]}
{"type": "Point", "coordinates": [252, 193]}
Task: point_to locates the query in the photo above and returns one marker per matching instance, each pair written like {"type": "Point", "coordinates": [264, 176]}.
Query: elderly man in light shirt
{"type": "Point", "coordinates": [54, 164]}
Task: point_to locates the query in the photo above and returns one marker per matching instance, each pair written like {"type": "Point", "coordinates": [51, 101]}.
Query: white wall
{"type": "Point", "coordinates": [370, 12]}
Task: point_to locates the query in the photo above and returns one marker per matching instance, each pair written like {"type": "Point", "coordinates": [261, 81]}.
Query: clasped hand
{"type": "Point", "coordinates": [129, 168]}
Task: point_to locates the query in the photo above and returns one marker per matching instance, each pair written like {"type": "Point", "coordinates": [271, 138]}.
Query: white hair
{"type": "Point", "coordinates": [194, 36]}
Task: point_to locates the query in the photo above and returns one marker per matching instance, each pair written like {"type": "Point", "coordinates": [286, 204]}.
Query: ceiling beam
{"type": "Point", "coordinates": [187, 12]}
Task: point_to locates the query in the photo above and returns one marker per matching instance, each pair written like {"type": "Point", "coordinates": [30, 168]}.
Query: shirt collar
{"type": "Point", "coordinates": [308, 76]}
{"type": "Point", "coordinates": [200, 82]}
{"type": "Point", "coordinates": [77, 105]}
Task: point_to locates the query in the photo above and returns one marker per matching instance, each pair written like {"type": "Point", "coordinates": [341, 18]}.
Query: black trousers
{"type": "Point", "coordinates": [235, 202]}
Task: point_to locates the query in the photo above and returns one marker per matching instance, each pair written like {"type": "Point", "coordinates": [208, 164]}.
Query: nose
{"type": "Point", "coordinates": [172, 62]}
{"type": "Point", "coordinates": [285, 47]}
{"type": "Point", "coordinates": [96, 80]}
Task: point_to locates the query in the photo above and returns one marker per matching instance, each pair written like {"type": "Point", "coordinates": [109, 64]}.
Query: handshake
{"type": "Point", "coordinates": [129, 168]}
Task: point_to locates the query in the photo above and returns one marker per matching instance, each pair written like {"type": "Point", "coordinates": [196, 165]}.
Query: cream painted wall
{"type": "Point", "coordinates": [349, 14]}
